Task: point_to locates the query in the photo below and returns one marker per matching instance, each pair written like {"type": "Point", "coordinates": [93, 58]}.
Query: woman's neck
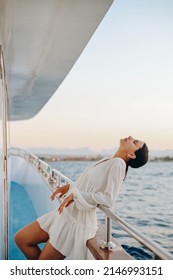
{"type": "Point", "coordinates": [120, 154]}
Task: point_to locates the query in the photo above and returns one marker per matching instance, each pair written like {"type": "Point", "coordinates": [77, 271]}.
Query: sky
{"type": "Point", "coordinates": [121, 85]}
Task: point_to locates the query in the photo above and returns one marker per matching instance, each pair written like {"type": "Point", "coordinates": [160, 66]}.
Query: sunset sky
{"type": "Point", "coordinates": [121, 85]}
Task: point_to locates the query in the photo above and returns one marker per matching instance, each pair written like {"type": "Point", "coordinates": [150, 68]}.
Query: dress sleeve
{"type": "Point", "coordinates": [88, 200]}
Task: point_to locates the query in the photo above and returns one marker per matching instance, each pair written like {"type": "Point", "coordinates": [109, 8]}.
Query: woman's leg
{"type": "Point", "coordinates": [50, 253]}
{"type": "Point", "coordinates": [28, 238]}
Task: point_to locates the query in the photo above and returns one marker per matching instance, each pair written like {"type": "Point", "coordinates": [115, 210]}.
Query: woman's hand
{"type": "Point", "coordinates": [62, 190]}
{"type": "Point", "coordinates": [66, 202]}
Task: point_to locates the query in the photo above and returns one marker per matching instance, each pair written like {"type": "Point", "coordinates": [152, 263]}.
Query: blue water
{"type": "Point", "coordinates": [145, 201]}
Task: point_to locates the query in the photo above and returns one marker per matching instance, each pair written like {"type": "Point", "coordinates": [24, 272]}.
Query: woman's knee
{"type": "Point", "coordinates": [20, 238]}
{"type": "Point", "coordinates": [31, 235]}
{"type": "Point", "coordinates": [24, 236]}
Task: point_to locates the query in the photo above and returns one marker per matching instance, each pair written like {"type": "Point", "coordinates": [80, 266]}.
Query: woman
{"type": "Point", "coordinates": [67, 229]}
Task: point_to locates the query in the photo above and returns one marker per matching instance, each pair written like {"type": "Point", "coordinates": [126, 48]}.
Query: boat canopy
{"type": "Point", "coordinates": [41, 41]}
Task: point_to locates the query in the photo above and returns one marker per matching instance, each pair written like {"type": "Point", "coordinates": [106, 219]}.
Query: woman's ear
{"type": "Point", "coordinates": [131, 156]}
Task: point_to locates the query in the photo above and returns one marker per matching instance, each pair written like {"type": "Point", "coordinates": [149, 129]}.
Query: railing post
{"type": "Point", "coordinates": [108, 244]}
{"type": "Point", "coordinates": [52, 179]}
{"type": "Point", "coordinates": [5, 153]}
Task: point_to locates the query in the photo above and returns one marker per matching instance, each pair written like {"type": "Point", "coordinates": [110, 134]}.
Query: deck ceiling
{"type": "Point", "coordinates": [41, 41]}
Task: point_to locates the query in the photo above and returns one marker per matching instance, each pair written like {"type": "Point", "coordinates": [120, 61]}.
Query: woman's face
{"type": "Point", "coordinates": [131, 145]}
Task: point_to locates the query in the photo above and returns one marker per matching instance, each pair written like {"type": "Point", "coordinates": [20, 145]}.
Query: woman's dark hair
{"type": "Point", "coordinates": [141, 158]}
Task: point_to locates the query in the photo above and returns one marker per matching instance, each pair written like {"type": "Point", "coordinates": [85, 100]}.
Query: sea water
{"type": "Point", "coordinates": [145, 201]}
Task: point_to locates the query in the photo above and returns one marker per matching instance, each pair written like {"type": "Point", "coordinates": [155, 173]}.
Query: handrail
{"type": "Point", "coordinates": [158, 251]}
{"type": "Point", "coordinates": [141, 238]}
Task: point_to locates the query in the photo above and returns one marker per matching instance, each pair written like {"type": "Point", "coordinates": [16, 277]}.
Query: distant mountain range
{"type": "Point", "coordinates": [88, 152]}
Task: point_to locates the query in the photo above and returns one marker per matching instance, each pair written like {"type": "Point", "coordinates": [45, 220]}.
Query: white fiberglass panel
{"type": "Point", "coordinates": [30, 179]}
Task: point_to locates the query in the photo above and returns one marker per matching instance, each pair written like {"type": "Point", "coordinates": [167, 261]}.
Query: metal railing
{"type": "Point", "coordinates": [55, 178]}
{"type": "Point", "coordinates": [5, 151]}
{"type": "Point", "coordinates": [152, 246]}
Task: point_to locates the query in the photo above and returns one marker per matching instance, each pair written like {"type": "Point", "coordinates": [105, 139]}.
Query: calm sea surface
{"type": "Point", "coordinates": [145, 201]}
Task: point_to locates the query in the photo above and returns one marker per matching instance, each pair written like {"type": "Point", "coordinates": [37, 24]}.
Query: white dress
{"type": "Point", "coordinates": [70, 230]}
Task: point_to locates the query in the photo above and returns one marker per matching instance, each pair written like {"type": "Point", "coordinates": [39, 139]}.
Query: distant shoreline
{"type": "Point", "coordinates": [56, 158]}
{"type": "Point", "coordinates": [162, 159]}
{"type": "Point", "coordinates": [70, 158]}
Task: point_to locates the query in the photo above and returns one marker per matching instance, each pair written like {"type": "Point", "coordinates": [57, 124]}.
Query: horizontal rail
{"type": "Point", "coordinates": [55, 178]}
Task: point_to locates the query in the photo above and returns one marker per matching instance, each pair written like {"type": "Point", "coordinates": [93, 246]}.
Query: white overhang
{"type": "Point", "coordinates": [41, 41]}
